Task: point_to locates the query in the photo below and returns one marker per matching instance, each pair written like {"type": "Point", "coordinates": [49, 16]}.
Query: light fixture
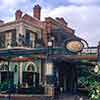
{"type": "Point", "coordinates": [8, 46]}
{"type": "Point", "coordinates": [96, 68]}
{"type": "Point", "coordinates": [20, 56]}
{"type": "Point", "coordinates": [52, 38]}
{"type": "Point", "coordinates": [49, 43]}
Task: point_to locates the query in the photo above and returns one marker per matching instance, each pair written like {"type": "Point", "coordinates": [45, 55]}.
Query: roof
{"type": "Point", "coordinates": [60, 24]}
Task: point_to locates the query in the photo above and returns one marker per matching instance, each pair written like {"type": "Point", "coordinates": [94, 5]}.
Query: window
{"type": "Point", "coordinates": [5, 74]}
{"type": "Point", "coordinates": [8, 38]}
{"type": "Point", "coordinates": [30, 38]}
{"type": "Point", "coordinates": [30, 76]}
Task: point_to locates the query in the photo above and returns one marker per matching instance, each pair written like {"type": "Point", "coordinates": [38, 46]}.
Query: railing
{"type": "Point", "coordinates": [89, 51]}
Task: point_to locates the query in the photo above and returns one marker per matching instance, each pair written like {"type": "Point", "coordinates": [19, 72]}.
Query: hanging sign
{"type": "Point", "coordinates": [74, 46]}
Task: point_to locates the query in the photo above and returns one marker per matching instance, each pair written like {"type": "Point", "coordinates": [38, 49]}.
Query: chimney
{"type": "Point", "coordinates": [1, 22]}
{"type": "Point", "coordinates": [37, 11]}
{"type": "Point", "coordinates": [61, 20]}
{"type": "Point", "coordinates": [18, 14]}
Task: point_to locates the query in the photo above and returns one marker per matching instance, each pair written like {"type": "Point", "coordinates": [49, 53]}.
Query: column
{"type": "Point", "coordinates": [21, 72]}
{"type": "Point", "coordinates": [49, 78]}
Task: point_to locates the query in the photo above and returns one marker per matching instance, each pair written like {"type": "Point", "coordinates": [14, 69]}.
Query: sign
{"type": "Point", "coordinates": [74, 46]}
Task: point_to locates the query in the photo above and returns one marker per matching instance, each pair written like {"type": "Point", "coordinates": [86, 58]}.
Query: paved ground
{"type": "Point", "coordinates": [25, 97]}
{"type": "Point", "coordinates": [71, 97]}
{"type": "Point", "coordinates": [66, 97]}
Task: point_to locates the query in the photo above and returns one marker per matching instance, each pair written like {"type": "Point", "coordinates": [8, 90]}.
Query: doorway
{"type": "Point", "coordinates": [67, 76]}
{"type": "Point", "coordinates": [31, 76]}
{"type": "Point", "coordinates": [31, 79]}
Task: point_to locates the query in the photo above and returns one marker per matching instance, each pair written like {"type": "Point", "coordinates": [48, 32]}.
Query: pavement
{"type": "Point", "coordinates": [41, 97]}
{"type": "Point", "coordinates": [71, 97]}
{"type": "Point", "coordinates": [68, 97]}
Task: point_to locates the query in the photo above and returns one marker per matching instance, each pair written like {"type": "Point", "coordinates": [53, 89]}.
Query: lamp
{"type": "Point", "coordinates": [52, 38]}
{"type": "Point", "coordinates": [50, 43]}
{"type": "Point", "coordinates": [96, 68]}
{"type": "Point", "coordinates": [8, 46]}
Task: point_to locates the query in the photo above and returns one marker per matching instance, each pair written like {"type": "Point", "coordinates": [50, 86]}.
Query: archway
{"type": "Point", "coordinates": [30, 75]}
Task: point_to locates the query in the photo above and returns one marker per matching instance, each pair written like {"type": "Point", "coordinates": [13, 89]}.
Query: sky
{"type": "Point", "coordinates": [81, 15]}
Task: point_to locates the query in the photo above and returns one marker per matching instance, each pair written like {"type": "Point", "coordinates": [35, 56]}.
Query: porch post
{"type": "Point", "coordinates": [49, 78]}
{"type": "Point", "coordinates": [20, 65]}
{"type": "Point", "coordinates": [20, 71]}
{"type": "Point", "coordinates": [49, 68]}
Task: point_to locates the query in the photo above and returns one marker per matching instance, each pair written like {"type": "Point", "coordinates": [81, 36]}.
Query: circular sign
{"type": "Point", "coordinates": [74, 46]}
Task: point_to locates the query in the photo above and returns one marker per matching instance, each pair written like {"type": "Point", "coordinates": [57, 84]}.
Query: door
{"type": "Point", "coordinates": [31, 79]}
{"type": "Point", "coordinates": [67, 77]}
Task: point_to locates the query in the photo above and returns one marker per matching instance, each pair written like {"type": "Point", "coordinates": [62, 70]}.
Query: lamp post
{"type": "Point", "coordinates": [49, 69]}
{"type": "Point", "coordinates": [49, 60]}
{"type": "Point", "coordinates": [19, 73]}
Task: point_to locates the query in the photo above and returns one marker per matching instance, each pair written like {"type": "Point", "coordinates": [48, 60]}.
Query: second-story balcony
{"type": "Point", "coordinates": [89, 51]}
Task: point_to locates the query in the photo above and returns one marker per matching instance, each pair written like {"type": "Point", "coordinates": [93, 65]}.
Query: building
{"type": "Point", "coordinates": [36, 74]}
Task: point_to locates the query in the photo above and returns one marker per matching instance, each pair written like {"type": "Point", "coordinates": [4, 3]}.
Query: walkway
{"type": "Point", "coordinates": [41, 97]}
{"type": "Point", "coordinates": [71, 97]}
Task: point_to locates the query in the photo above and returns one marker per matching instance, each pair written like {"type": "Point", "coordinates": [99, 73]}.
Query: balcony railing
{"type": "Point", "coordinates": [89, 51]}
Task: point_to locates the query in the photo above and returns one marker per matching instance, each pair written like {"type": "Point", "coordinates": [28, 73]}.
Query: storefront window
{"type": "Point", "coordinates": [5, 74]}
{"type": "Point", "coordinates": [30, 77]}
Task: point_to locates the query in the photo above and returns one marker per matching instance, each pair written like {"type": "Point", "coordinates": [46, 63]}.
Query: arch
{"type": "Point", "coordinates": [31, 67]}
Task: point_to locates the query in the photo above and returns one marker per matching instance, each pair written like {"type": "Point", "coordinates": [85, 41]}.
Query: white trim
{"type": "Point", "coordinates": [34, 65]}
